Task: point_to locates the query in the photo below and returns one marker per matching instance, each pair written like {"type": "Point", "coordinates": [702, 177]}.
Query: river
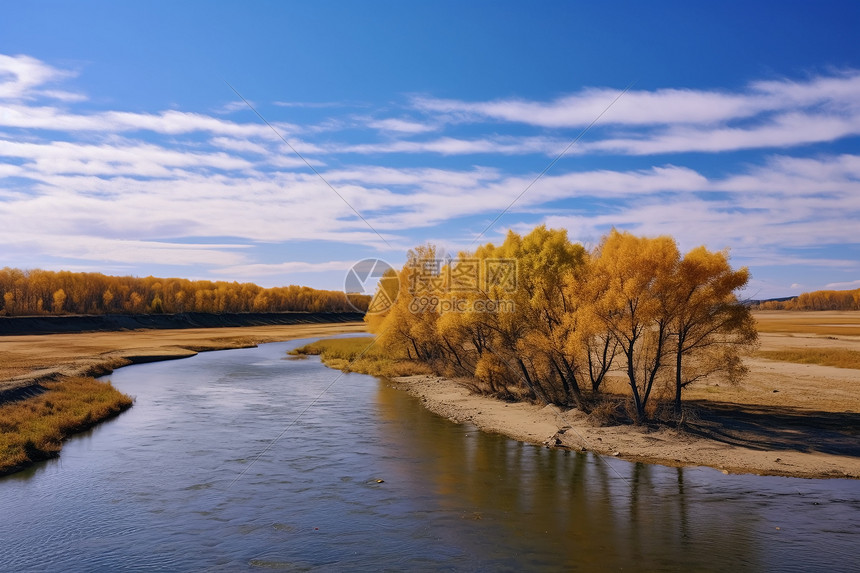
{"type": "Point", "coordinates": [243, 460]}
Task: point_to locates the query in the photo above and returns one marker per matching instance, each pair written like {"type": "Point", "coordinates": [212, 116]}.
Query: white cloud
{"type": "Point", "coordinates": [661, 106]}
{"type": "Point", "coordinates": [776, 114]}
{"type": "Point", "coordinates": [666, 106]}
{"type": "Point", "coordinates": [132, 187]}
{"type": "Point", "coordinates": [127, 158]}
{"type": "Point", "coordinates": [401, 125]}
{"type": "Point", "coordinates": [20, 76]}
{"type": "Point", "coordinates": [121, 250]}
{"type": "Point", "coordinates": [241, 145]}
{"type": "Point", "coordinates": [849, 285]}
{"type": "Point", "coordinates": [170, 122]}
{"type": "Point", "coordinates": [233, 106]}
{"type": "Point", "coordinates": [503, 145]}
{"type": "Point", "coordinates": [265, 269]}
{"type": "Point", "coordinates": [786, 130]}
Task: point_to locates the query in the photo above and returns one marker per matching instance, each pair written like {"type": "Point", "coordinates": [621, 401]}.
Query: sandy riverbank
{"type": "Point", "coordinates": [786, 419]}
{"type": "Point", "coordinates": [743, 453]}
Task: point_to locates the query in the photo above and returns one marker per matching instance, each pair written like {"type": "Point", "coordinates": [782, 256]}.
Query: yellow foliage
{"type": "Point", "coordinates": [558, 327]}
{"type": "Point", "coordinates": [36, 291]}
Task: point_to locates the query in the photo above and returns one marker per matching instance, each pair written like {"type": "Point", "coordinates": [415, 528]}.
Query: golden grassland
{"type": "Point", "coordinates": [826, 338]}
{"type": "Point", "coordinates": [838, 357]}
{"type": "Point", "coordinates": [826, 323]}
{"type": "Point", "coordinates": [34, 429]}
{"type": "Point", "coordinates": [361, 355]}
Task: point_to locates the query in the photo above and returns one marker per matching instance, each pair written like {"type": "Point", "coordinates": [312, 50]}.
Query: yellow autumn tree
{"type": "Point", "coordinates": [538, 317]}
{"type": "Point", "coordinates": [546, 261]}
{"type": "Point", "coordinates": [709, 325]}
{"type": "Point", "coordinates": [633, 276]}
{"type": "Point", "coordinates": [408, 327]}
{"type": "Point", "coordinates": [59, 300]}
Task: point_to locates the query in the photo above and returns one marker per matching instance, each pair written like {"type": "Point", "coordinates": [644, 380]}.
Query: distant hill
{"type": "Point", "coordinates": [37, 292]}
{"type": "Point", "coordinates": [816, 300]}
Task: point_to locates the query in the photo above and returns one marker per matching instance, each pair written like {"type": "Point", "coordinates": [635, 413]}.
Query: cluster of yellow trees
{"type": "Point", "coordinates": [817, 300]}
{"type": "Point", "coordinates": [633, 305]}
{"type": "Point", "coordinates": [37, 292]}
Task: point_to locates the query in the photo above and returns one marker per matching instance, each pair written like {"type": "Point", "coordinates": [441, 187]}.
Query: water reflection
{"type": "Point", "coordinates": [585, 511]}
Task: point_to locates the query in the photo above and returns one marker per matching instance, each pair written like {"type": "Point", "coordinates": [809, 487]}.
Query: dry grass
{"type": "Point", "coordinates": [827, 323]}
{"type": "Point", "coordinates": [609, 411]}
{"type": "Point", "coordinates": [34, 429]}
{"type": "Point", "coordinates": [839, 357]}
{"type": "Point", "coordinates": [360, 355]}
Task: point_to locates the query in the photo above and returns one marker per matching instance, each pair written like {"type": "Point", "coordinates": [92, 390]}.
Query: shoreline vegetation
{"type": "Point", "coordinates": [48, 391]}
{"type": "Point", "coordinates": [34, 429]}
{"type": "Point", "coordinates": [787, 420]}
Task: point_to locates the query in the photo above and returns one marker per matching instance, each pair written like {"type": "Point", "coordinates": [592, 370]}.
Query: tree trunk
{"type": "Point", "coordinates": [678, 376]}
{"type": "Point", "coordinates": [577, 393]}
{"type": "Point", "coordinates": [634, 388]}
{"type": "Point", "coordinates": [528, 379]}
{"type": "Point", "coordinates": [564, 383]}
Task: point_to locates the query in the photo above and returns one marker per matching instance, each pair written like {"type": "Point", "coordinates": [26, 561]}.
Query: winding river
{"type": "Point", "coordinates": [243, 460]}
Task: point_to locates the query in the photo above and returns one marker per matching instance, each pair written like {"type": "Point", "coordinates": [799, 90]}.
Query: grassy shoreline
{"type": "Point", "coordinates": [359, 354]}
{"type": "Point", "coordinates": [34, 429]}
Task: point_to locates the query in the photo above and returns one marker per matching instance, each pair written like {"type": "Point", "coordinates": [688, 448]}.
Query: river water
{"type": "Point", "coordinates": [243, 460]}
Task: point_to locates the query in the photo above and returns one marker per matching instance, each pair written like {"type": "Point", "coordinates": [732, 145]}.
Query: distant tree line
{"type": "Point", "coordinates": [36, 292]}
{"type": "Point", "coordinates": [633, 306]}
{"type": "Point", "coordinates": [817, 300]}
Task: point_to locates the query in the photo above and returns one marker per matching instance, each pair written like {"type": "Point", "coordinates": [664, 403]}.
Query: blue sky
{"type": "Point", "coordinates": [124, 150]}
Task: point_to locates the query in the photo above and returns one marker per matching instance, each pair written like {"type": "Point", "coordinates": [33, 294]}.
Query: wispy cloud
{"type": "Point", "coordinates": [777, 114]}
{"type": "Point", "coordinates": [115, 187]}
{"type": "Point", "coordinates": [23, 78]}
{"type": "Point", "coordinates": [843, 285]}
{"type": "Point", "coordinates": [401, 125]}
{"type": "Point", "coordinates": [662, 106]}
{"type": "Point", "coordinates": [289, 267]}
{"type": "Point", "coordinates": [499, 145]}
